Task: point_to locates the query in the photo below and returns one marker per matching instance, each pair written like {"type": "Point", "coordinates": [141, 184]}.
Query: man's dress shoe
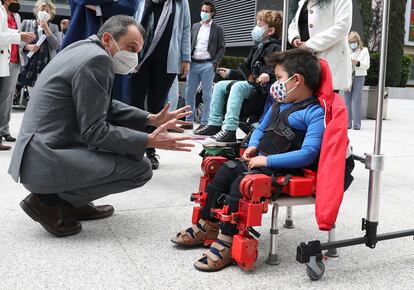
{"type": "Point", "coordinates": [90, 211]}
{"type": "Point", "coordinates": [53, 219]}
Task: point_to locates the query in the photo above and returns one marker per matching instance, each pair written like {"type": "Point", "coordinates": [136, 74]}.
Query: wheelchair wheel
{"type": "Point", "coordinates": [312, 274]}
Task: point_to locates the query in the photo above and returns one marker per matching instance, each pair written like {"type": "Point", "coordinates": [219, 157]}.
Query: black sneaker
{"type": "Point", "coordinates": [153, 158]}
{"type": "Point", "coordinates": [207, 130]}
{"type": "Point", "coordinates": [9, 138]}
{"type": "Point", "coordinates": [222, 138]}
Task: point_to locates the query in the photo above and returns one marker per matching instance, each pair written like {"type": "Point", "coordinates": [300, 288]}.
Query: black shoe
{"type": "Point", "coordinates": [207, 130]}
{"type": "Point", "coordinates": [153, 158]}
{"type": "Point", "coordinates": [187, 127]}
{"type": "Point", "coordinates": [222, 138]}
{"type": "Point", "coordinates": [9, 138]}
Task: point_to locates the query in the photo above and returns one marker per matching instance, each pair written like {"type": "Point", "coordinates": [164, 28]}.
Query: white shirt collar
{"type": "Point", "coordinates": [208, 24]}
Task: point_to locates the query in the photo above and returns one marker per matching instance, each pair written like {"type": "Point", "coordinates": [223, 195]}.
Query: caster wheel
{"type": "Point", "coordinates": [314, 276]}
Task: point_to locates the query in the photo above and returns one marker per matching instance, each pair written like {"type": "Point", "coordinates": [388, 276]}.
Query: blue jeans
{"type": "Point", "coordinates": [353, 100]}
{"type": "Point", "coordinates": [204, 73]}
{"type": "Point", "coordinates": [239, 91]}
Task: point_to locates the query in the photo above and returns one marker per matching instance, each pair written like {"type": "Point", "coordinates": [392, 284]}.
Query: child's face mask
{"type": "Point", "coordinates": [278, 90]}
{"type": "Point", "coordinates": [258, 33]}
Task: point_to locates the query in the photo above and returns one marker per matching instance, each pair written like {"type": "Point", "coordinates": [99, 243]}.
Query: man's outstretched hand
{"type": "Point", "coordinates": [161, 139]}
{"type": "Point", "coordinates": [164, 116]}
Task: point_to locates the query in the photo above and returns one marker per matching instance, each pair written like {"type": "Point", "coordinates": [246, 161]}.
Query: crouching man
{"type": "Point", "coordinates": [77, 145]}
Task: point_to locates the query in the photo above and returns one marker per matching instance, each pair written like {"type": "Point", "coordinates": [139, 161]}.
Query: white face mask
{"type": "Point", "coordinates": [124, 61]}
{"type": "Point", "coordinates": [43, 15]}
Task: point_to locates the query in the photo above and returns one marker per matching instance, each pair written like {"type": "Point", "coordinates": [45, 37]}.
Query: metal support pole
{"type": "Point", "coordinates": [332, 253]}
{"type": "Point", "coordinates": [371, 224]}
{"type": "Point", "coordinates": [289, 219]}
{"type": "Point", "coordinates": [273, 258]}
{"type": "Point", "coordinates": [285, 24]}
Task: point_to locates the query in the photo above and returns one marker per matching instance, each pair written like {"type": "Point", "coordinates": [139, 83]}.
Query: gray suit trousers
{"type": "Point", "coordinates": [128, 174]}
{"type": "Point", "coordinates": [7, 88]}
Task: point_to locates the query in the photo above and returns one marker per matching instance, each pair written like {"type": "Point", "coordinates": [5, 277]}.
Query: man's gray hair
{"type": "Point", "coordinates": [118, 25]}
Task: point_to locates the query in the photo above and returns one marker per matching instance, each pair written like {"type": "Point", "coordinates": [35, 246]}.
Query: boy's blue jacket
{"type": "Point", "coordinates": [309, 120]}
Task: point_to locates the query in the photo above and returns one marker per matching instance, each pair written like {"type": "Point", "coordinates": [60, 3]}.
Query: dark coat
{"type": "Point", "coordinates": [216, 44]}
{"type": "Point", "coordinates": [255, 63]}
{"type": "Point", "coordinates": [84, 21]}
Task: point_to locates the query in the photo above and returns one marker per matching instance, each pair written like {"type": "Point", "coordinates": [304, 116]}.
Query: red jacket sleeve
{"type": "Point", "coordinates": [331, 169]}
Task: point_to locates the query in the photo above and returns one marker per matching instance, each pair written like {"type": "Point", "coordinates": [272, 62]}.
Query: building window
{"type": "Point", "coordinates": [237, 17]}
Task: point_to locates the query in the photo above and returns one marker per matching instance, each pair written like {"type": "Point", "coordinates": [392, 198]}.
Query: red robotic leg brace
{"type": "Point", "coordinates": [256, 190]}
{"type": "Point", "coordinates": [209, 166]}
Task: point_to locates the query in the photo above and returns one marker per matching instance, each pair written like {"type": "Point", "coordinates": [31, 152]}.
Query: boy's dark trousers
{"type": "Point", "coordinates": [224, 189]}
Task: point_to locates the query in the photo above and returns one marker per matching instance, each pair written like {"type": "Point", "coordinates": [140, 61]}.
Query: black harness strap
{"type": "Point", "coordinates": [279, 136]}
{"type": "Point", "coordinates": [282, 122]}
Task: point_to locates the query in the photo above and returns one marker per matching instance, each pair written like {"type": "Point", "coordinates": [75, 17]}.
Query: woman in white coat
{"type": "Point", "coordinates": [360, 65]}
{"type": "Point", "coordinates": [8, 36]}
{"type": "Point", "coordinates": [323, 27]}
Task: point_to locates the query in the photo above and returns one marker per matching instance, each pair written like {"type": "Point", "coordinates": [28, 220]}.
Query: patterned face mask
{"type": "Point", "coordinates": [278, 90]}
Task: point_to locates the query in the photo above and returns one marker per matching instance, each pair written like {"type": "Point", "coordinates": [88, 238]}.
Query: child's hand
{"type": "Point", "coordinates": [223, 72]}
{"type": "Point", "coordinates": [263, 79]}
{"type": "Point", "coordinates": [258, 161]}
{"type": "Point", "coordinates": [249, 153]}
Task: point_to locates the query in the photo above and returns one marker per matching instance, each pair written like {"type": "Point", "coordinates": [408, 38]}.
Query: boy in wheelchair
{"type": "Point", "coordinates": [256, 74]}
{"type": "Point", "coordinates": [289, 138]}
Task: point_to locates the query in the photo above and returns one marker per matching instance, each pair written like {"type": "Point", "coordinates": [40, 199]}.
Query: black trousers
{"type": "Point", "coordinates": [150, 85]}
{"type": "Point", "coordinates": [225, 189]}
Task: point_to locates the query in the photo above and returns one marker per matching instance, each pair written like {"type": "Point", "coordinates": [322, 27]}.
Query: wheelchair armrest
{"type": "Point", "coordinates": [297, 185]}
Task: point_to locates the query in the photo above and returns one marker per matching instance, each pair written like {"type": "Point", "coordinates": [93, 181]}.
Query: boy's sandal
{"type": "Point", "coordinates": [216, 258]}
{"type": "Point", "coordinates": [197, 235]}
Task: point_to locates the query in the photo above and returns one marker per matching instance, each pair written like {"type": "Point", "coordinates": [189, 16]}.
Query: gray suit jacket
{"type": "Point", "coordinates": [216, 43]}
{"type": "Point", "coordinates": [70, 114]}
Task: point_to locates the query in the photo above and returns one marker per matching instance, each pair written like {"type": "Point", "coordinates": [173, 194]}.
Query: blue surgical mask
{"type": "Point", "coordinates": [257, 33]}
{"type": "Point", "coordinates": [353, 45]}
{"type": "Point", "coordinates": [204, 16]}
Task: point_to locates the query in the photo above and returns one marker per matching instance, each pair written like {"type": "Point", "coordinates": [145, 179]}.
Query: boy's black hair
{"type": "Point", "coordinates": [299, 61]}
{"type": "Point", "coordinates": [212, 6]}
